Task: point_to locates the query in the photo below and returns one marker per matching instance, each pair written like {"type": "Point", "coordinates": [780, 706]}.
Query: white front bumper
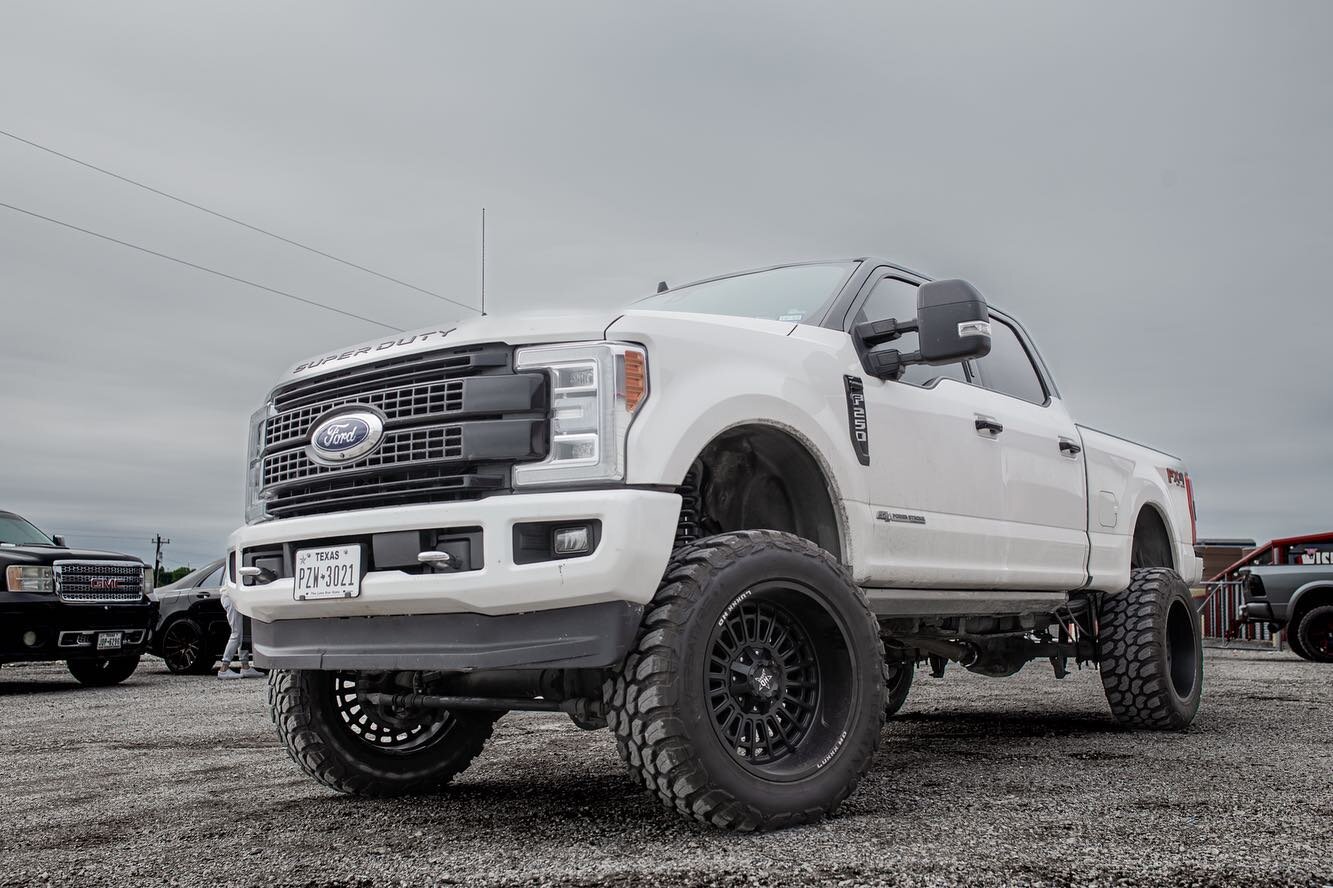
{"type": "Point", "coordinates": [638, 528]}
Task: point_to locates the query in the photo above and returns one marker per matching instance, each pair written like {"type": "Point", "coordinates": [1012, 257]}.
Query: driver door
{"type": "Point", "coordinates": [936, 487]}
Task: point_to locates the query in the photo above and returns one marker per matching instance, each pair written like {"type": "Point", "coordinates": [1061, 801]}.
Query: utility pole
{"type": "Point", "coordinates": [483, 262]}
{"type": "Point", "coordinates": [158, 543]}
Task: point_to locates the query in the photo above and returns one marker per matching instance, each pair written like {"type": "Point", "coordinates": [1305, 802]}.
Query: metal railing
{"type": "Point", "coordinates": [1221, 613]}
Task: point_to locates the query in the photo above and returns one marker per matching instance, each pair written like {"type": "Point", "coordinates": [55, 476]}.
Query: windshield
{"type": "Point", "coordinates": [17, 532]}
{"type": "Point", "coordinates": [793, 293]}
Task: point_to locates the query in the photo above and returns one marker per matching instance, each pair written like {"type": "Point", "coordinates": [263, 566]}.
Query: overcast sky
{"type": "Point", "coordinates": [1146, 185]}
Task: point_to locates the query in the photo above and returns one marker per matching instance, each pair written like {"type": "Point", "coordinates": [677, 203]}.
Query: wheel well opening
{"type": "Point", "coordinates": [1152, 542]}
{"type": "Point", "coordinates": [1309, 600]}
{"type": "Point", "coordinates": [758, 477]}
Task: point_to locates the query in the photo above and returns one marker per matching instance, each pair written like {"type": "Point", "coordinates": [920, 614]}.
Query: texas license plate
{"type": "Point", "coordinates": [330, 572]}
{"type": "Point", "coordinates": [110, 641]}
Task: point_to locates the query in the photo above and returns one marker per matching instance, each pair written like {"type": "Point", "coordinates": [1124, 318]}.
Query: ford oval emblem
{"type": "Point", "coordinates": [346, 437]}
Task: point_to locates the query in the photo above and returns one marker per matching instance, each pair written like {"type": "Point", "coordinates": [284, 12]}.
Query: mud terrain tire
{"type": "Point", "coordinates": [1151, 652]}
{"type": "Point", "coordinates": [898, 685]}
{"type": "Point", "coordinates": [753, 698]}
{"type": "Point", "coordinates": [422, 753]}
{"type": "Point", "coordinates": [1315, 634]}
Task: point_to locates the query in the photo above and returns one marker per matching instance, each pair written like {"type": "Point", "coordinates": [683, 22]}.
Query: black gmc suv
{"type": "Point", "coordinates": [90, 609]}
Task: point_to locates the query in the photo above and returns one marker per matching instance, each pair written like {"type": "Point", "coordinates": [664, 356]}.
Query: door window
{"type": "Point", "coordinates": [896, 298]}
{"type": "Point", "coordinates": [213, 580]}
{"type": "Point", "coordinates": [1008, 368]}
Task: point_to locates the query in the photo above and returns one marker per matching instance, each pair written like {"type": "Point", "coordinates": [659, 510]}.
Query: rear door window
{"type": "Point", "coordinates": [1008, 368]}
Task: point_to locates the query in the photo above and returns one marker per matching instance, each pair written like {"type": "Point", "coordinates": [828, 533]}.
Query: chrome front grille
{"type": "Point", "coordinates": [454, 422]}
{"type": "Point", "coordinates": [99, 582]}
{"type": "Point", "coordinates": [428, 400]}
{"type": "Point", "coordinates": [407, 447]}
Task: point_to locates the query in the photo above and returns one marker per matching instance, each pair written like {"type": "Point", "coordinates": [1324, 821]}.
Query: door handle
{"type": "Point", "coordinates": [986, 424]}
{"type": "Point", "coordinates": [1069, 448]}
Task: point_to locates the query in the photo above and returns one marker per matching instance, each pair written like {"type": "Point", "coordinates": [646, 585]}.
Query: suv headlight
{"type": "Point", "coordinates": [255, 508]}
{"type": "Point", "coordinates": [24, 578]}
{"type": "Point", "coordinates": [596, 389]}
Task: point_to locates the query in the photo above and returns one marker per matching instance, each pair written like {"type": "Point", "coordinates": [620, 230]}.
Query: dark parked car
{"type": "Point", "coordinates": [192, 627]}
{"type": "Point", "coordinates": [1297, 597]}
{"type": "Point", "coordinates": [90, 609]}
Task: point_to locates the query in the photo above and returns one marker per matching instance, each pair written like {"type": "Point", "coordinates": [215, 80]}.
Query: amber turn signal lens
{"type": "Point", "coordinates": [636, 379]}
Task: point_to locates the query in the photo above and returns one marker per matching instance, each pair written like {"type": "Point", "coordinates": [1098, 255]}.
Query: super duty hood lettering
{"type": "Point", "coordinates": [405, 340]}
{"type": "Point", "coordinates": [519, 329]}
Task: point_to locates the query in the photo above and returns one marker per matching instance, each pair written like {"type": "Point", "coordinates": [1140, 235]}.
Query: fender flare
{"type": "Point", "coordinates": [1320, 585]}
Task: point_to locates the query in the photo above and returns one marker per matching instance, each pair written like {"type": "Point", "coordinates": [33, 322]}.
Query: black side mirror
{"type": "Point", "coordinates": [952, 325]}
{"type": "Point", "coordinates": [59, 540]}
{"type": "Point", "coordinates": [952, 322]}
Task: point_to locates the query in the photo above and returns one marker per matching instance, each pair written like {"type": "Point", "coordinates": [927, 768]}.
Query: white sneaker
{"type": "Point", "coordinates": [227, 674]}
{"type": "Point", "coordinates": [251, 672]}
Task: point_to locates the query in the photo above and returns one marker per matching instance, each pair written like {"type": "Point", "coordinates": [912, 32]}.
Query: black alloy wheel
{"type": "Point", "coordinates": [763, 678]}
{"type": "Point", "coordinates": [388, 729]}
{"type": "Point", "coordinates": [184, 649]}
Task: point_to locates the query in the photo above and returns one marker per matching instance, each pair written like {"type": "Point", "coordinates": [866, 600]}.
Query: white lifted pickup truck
{"type": "Point", "coordinates": [728, 522]}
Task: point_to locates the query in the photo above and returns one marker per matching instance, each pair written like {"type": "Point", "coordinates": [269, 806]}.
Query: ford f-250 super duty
{"type": "Point", "coordinates": [727, 522]}
{"type": "Point", "coordinates": [90, 609]}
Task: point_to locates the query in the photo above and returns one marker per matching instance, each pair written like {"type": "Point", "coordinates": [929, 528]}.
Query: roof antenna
{"type": "Point", "coordinates": [662, 286]}
{"type": "Point", "coordinates": [483, 262]}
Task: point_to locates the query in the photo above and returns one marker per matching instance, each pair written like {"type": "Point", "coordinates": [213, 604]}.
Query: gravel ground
{"type": "Point", "coordinates": [1020, 781]}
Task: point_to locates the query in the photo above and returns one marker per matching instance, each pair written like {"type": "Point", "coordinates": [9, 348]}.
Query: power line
{"type": "Point", "coordinates": [222, 274]}
{"type": "Point", "coordinates": [232, 219]}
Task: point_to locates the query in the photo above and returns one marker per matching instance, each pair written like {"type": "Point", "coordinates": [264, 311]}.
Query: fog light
{"type": "Point", "coordinates": [30, 639]}
{"type": "Point", "coordinates": [572, 540]}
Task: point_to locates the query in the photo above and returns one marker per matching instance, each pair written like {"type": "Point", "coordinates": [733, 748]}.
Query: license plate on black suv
{"type": "Point", "coordinates": [328, 572]}
{"type": "Point", "coordinates": [110, 641]}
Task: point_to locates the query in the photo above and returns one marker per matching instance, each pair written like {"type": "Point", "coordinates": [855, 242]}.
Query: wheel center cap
{"type": "Point", "coordinates": [765, 682]}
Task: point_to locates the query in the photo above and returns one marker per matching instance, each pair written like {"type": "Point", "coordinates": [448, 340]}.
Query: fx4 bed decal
{"type": "Point", "coordinates": [856, 418]}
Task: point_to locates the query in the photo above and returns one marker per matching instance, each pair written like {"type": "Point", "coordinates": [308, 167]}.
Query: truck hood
{"type": "Point", "coordinates": [46, 555]}
{"type": "Point", "coordinates": [515, 329]}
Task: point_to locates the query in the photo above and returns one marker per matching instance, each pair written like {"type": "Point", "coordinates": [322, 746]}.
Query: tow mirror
{"type": "Point", "coordinates": [59, 540]}
{"type": "Point", "coordinates": [952, 324]}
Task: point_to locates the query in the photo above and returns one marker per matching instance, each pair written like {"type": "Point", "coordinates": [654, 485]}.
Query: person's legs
{"type": "Point", "coordinates": [247, 671]}
{"type": "Point", "coordinates": [237, 623]}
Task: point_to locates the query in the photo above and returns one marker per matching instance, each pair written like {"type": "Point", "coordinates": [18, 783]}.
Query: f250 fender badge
{"type": "Point", "coordinates": [857, 422]}
{"type": "Point", "coordinates": [345, 437]}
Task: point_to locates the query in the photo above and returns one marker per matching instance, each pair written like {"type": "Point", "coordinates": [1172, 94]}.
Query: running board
{"type": "Point", "coordinates": [961, 602]}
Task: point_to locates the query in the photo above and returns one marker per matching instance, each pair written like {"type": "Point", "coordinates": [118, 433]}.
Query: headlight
{"type": "Point", "coordinates": [596, 389]}
{"type": "Point", "coordinates": [255, 509]}
{"type": "Point", "coordinates": [149, 581]}
{"type": "Point", "coordinates": [20, 578]}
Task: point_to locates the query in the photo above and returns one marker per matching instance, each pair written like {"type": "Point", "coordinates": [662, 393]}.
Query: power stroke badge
{"type": "Point", "coordinates": [856, 418]}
